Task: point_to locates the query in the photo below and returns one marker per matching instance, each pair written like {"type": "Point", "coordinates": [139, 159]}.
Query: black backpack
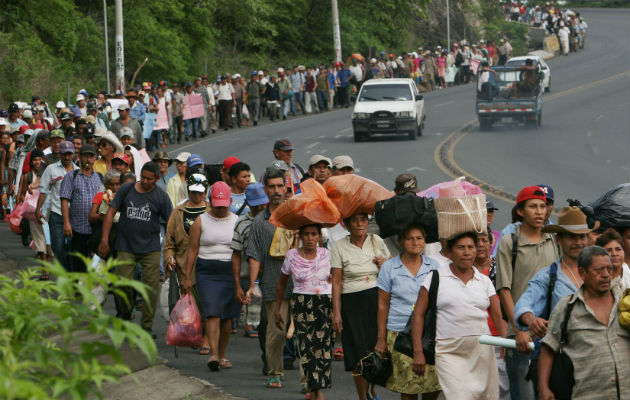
{"type": "Point", "coordinates": [394, 214]}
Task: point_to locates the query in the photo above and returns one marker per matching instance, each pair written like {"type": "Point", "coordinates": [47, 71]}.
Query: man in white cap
{"type": "Point", "coordinates": [319, 168]}
{"type": "Point", "coordinates": [81, 105]}
{"type": "Point", "coordinates": [342, 165]}
{"type": "Point", "coordinates": [173, 185]}
{"type": "Point", "coordinates": [124, 120]}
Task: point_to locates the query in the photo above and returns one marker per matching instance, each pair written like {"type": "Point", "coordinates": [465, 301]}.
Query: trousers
{"type": "Point", "coordinates": [150, 265]}
{"type": "Point", "coordinates": [274, 342]}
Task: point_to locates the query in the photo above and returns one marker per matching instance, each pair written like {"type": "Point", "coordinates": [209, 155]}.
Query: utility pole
{"type": "Point", "coordinates": [448, 25]}
{"type": "Point", "coordinates": [106, 45]}
{"type": "Point", "coordinates": [120, 48]}
{"type": "Point", "coordinates": [336, 32]}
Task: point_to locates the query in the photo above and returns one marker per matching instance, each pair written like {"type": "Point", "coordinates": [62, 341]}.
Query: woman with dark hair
{"type": "Point", "coordinates": [309, 267]}
{"type": "Point", "coordinates": [399, 282]}
{"type": "Point", "coordinates": [355, 264]}
{"type": "Point", "coordinates": [613, 243]}
{"type": "Point", "coordinates": [466, 369]}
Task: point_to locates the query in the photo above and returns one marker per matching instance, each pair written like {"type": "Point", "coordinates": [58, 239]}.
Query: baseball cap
{"type": "Point", "coordinates": [221, 195]}
{"type": "Point", "coordinates": [278, 164]}
{"type": "Point", "coordinates": [80, 97]}
{"type": "Point", "coordinates": [126, 131]}
{"type": "Point", "coordinates": [344, 161]}
{"type": "Point", "coordinates": [182, 157]}
{"type": "Point", "coordinates": [43, 134]}
{"type": "Point", "coordinates": [163, 83]}
{"type": "Point", "coordinates": [162, 155]}
{"type": "Point", "coordinates": [88, 131]}
{"type": "Point", "coordinates": [255, 73]}
{"type": "Point", "coordinates": [229, 161]}
{"type": "Point", "coordinates": [118, 92]}
{"type": "Point", "coordinates": [317, 158]}
{"type": "Point", "coordinates": [88, 149]}
{"type": "Point", "coordinates": [76, 111]}
{"type": "Point", "coordinates": [20, 139]}
{"type": "Point", "coordinates": [123, 107]}
{"type": "Point", "coordinates": [27, 114]}
{"type": "Point", "coordinates": [490, 205]}
{"type": "Point", "coordinates": [13, 107]}
{"type": "Point", "coordinates": [60, 104]}
{"type": "Point", "coordinates": [23, 129]}
{"type": "Point", "coordinates": [65, 116]}
{"type": "Point", "coordinates": [66, 147]}
{"type": "Point", "coordinates": [122, 157]}
{"type": "Point", "coordinates": [57, 133]}
{"type": "Point", "coordinates": [194, 159]}
{"type": "Point", "coordinates": [283, 144]}
{"type": "Point", "coordinates": [197, 183]}
{"type": "Point", "coordinates": [548, 191]}
{"type": "Point", "coordinates": [255, 194]}
{"type": "Point", "coordinates": [406, 183]}
{"type": "Point", "coordinates": [531, 193]}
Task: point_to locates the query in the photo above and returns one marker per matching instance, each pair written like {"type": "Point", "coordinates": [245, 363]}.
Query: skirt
{"type": "Point", "coordinates": [403, 379]}
{"type": "Point", "coordinates": [359, 333]}
{"type": "Point", "coordinates": [467, 370]}
{"type": "Point", "coordinates": [441, 70]}
{"type": "Point", "coordinates": [312, 316]}
{"type": "Point", "coordinates": [216, 289]}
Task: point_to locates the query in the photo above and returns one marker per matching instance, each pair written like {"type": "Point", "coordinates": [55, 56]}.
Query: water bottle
{"type": "Point", "coordinates": [253, 308]}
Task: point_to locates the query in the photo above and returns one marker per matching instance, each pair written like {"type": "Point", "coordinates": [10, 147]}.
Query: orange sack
{"type": "Point", "coordinates": [312, 206]}
{"type": "Point", "coordinates": [355, 194]}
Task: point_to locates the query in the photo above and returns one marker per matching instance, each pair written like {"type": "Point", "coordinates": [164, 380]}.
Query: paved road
{"type": "Point", "coordinates": [581, 150]}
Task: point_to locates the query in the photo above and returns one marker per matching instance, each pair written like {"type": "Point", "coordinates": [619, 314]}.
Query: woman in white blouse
{"type": "Point", "coordinates": [466, 369]}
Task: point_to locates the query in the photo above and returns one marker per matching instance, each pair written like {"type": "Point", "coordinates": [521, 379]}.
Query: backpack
{"type": "Point", "coordinates": [394, 214]}
{"type": "Point", "coordinates": [459, 59]}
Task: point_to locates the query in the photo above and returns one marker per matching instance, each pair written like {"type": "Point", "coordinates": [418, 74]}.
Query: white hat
{"type": "Point", "coordinates": [236, 76]}
{"type": "Point", "coordinates": [60, 104]}
{"type": "Point", "coordinates": [111, 138]}
{"type": "Point", "coordinates": [126, 131]}
{"type": "Point", "coordinates": [80, 97]}
{"type": "Point", "coordinates": [27, 114]}
{"type": "Point", "coordinates": [199, 186]}
{"type": "Point", "coordinates": [5, 122]}
{"type": "Point", "coordinates": [344, 161]}
{"type": "Point", "coordinates": [317, 158]}
{"type": "Point", "coordinates": [182, 157]}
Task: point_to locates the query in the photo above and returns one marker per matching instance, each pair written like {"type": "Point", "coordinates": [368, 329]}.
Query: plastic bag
{"type": "Point", "coordinates": [283, 240]}
{"type": "Point", "coordinates": [245, 111]}
{"type": "Point", "coordinates": [30, 205]}
{"type": "Point", "coordinates": [15, 219]}
{"type": "Point", "coordinates": [311, 206]}
{"type": "Point", "coordinates": [184, 325]}
{"type": "Point", "coordinates": [455, 188]}
{"type": "Point", "coordinates": [612, 209]}
{"type": "Point", "coordinates": [354, 194]}
{"type": "Point", "coordinates": [624, 310]}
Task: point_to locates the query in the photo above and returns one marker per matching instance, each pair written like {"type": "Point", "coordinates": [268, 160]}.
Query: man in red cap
{"type": "Point", "coordinates": [227, 163]}
{"type": "Point", "coordinates": [520, 256]}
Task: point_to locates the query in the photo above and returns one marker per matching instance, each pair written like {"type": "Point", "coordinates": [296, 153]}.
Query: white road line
{"type": "Point", "coordinates": [599, 117]}
{"type": "Point", "coordinates": [416, 169]}
{"type": "Point", "coordinates": [310, 146]}
{"type": "Point", "coordinates": [389, 169]}
{"type": "Point", "coordinates": [345, 130]}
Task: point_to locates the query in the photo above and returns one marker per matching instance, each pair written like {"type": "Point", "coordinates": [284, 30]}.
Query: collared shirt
{"type": "Point", "coordinates": [260, 238]}
{"type": "Point", "coordinates": [461, 307]}
{"type": "Point", "coordinates": [309, 276]}
{"type": "Point", "coordinates": [359, 269]}
{"type": "Point", "coordinates": [225, 92]}
{"type": "Point", "coordinates": [403, 288]}
{"type": "Point", "coordinates": [531, 258]}
{"type": "Point", "coordinates": [297, 80]}
{"type": "Point", "coordinates": [534, 300]}
{"type": "Point", "coordinates": [240, 240]}
{"type": "Point", "coordinates": [80, 191]}
{"type": "Point", "coordinates": [599, 352]}
{"type": "Point", "coordinates": [137, 112]}
{"type": "Point", "coordinates": [50, 184]}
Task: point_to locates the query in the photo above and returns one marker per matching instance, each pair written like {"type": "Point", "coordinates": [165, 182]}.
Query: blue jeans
{"type": "Point", "coordinates": [299, 98]}
{"type": "Point", "coordinates": [322, 99]}
{"type": "Point", "coordinates": [57, 240]}
{"type": "Point", "coordinates": [195, 127]}
{"type": "Point", "coordinates": [517, 365]}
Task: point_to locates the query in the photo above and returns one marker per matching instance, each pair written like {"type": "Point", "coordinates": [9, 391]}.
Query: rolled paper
{"type": "Point", "coordinates": [502, 342]}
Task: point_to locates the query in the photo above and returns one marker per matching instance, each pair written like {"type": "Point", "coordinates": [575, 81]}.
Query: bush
{"type": "Point", "coordinates": [42, 355]}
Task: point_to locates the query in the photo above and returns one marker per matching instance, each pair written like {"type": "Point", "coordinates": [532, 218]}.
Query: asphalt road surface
{"type": "Point", "coordinates": [582, 149]}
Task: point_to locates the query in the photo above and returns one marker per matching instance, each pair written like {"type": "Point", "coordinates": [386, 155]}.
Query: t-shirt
{"type": "Point", "coordinates": [357, 72]}
{"type": "Point", "coordinates": [309, 276]}
{"type": "Point", "coordinates": [461, 308]}
{"type": "Point", "coordinates": [240, 240]}
{"type": "Point", "coordinates": [359, 270]}
{"type": "Point", "coordinates": [139, 223]}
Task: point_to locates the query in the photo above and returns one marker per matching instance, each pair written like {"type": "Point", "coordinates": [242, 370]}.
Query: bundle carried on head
{"type": "Point", "coordinates": [311, 206]}
{"type": "Point", "coordinates": [353, 194]}
{"type": "Point", "coordinates": [461, 207]}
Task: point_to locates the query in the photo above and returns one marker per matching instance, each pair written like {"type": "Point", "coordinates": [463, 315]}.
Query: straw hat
{"type": "Point", "coordinates": [571, 220]}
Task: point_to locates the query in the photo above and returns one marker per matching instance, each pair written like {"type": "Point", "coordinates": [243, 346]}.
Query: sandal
{"type": "Point", "coordinates": [338, 354]}
{"type": "Point", "coordinates": [251, 334]}
{"type": "Point", "coordinates": [225, 364]}
{"type": "Point", "coordinates": [213, 364]}
{"type": "Point", "coordinates": [204, 351]}
{"type": "Point", "coordinates": [274, 382]}
{"type": "Point", "coordinates": [44, 276]}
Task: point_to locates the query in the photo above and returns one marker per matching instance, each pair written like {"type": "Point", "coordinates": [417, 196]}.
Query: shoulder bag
{"type": "Point", "coordinates": [561, 379]}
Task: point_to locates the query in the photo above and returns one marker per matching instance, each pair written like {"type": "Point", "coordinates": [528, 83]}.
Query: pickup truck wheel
{"type": "Point", "coordinates": [485, 124]}
{"type": "Point", "coordinates": [548, 88]}
{"type": "Point", "coordinates": [420, 129]}
{"type": "Point", "coordinates": [413, 134]}
{"type": "Point", "coordinates": [358, 137]}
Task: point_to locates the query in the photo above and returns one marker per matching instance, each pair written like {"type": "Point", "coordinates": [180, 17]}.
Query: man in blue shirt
{"type": "Point", "coordinates": [136, 109]}
{"type": "Point", "coordinates": [343, 76]}
{"type": "Point", "coordinates": [534, 306]}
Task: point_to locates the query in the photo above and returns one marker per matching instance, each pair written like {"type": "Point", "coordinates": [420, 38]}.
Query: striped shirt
{"type": "Point", "coordinates": [80, 189]}
{"type": "Point", "coordinates": [240, 240]}
{"type": "Point", "coordinates": [599, 352]}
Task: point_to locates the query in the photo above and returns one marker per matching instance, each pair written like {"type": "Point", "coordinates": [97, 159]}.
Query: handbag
{"type": "Point", "coordinates": [457, 215]}
{"type": "Point", "coordinates": [404, 341]}
{"type": "Point", "coordinates": [561, 379]}
{"type": "Point", "coordinates": [375, 367]}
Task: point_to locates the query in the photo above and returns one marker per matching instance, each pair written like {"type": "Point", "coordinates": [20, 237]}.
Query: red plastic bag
{"type": "Point", "coordinates": [353, 194]}
{"type": "Point", "coordinates": [15, 219]}
{"type": "Point", "coordinates": [184, 324]}
{"type": "Point", "coordinates": [310, 206]}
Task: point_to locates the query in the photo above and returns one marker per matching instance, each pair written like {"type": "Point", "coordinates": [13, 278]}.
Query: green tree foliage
{"type": "Point", "coordinates": [50, 331]}
{"type": "Point", "coordinates": [47, 44]}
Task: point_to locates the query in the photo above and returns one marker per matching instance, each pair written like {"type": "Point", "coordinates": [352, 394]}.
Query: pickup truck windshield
{"type": "Point", "coordinates": [386, 92]}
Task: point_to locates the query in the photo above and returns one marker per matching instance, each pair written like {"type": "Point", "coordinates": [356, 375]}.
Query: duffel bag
{"type": "Point", "coordinates": [457, 215]}
{"type": "Point", "coordinates": [393, 215]}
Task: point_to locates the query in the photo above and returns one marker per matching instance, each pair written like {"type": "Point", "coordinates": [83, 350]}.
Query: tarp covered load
{"type": "Point", "coordinates": [309, 207]}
